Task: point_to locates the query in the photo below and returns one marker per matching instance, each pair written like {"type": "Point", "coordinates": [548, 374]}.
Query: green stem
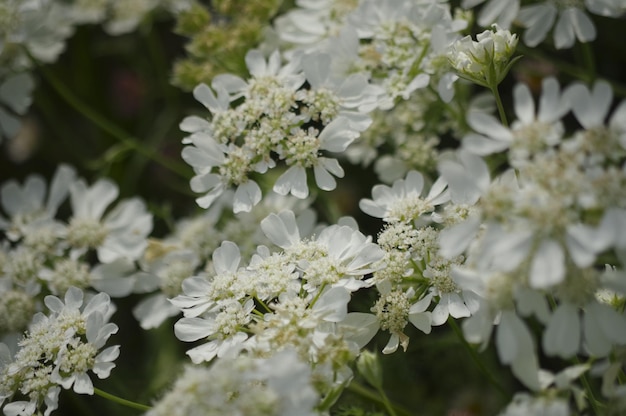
{"type": "Point", "coordinates": [588, 60]}
{"type": "Point", "coordinates": [387, 403]}
{"type": "Point", "coordinates": [263, 304]}
{"type": "Point", "coordinates": [121, 401]}
{"type": "Point", "coordinates": [496, 94]}
{"type": "Point", "coordinates": [109, 127]}
{"type": "Point", "coordinates": [368, 394]}
{"type": "Point", "coordinates": [317, 296]}
{"type": "Point", "coordinates": [477, 360]}
{"type": "Point", "coordinates": [595, 404]}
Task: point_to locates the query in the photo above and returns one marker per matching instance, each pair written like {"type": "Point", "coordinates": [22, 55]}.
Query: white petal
{"type": "Point", "coordinates": [441, 312]}
{"type": "Point", "coordinates": [333, 304]}
{"type": "Point", "coordinates": [445, 87]}
{"type": "Point", "coordinates": [247, 195]}
{"type": "Point", "coordinates": [548, 265]}
{"type": "Point", "coordinates": [422, 321]}
{"type": "Point", "coordinates": [526, 369]}
{"type": "Point", "coordinates": [457, 307]}
{"type": "Point", "coordinates": [539, 20]}
{"type": "Point", "coordinates": [83, 384]}
{"type": "Point", "coordinates": [488, 125]}
{"type": "Point", "coordinates": [562, 334]}
{"type": "Point", "coordinates": [294, 181]}
{"type": "Point", "coordinates": [256, 63]}
{"type": "Point", "coordinates": [205, 96]}
{"type": "Point", "coordinates": [152, 311]}
{"type": "Point", "coordinates": [204, 352]}
{"type": "Point", "coordinates": [455, 239]}
{"type": "Point", "coordinates": [324, 180]}
{"type": "Point", "coordinates": [392, 345]}
{"type": "Point", "coordinates": [192, 124]}
{"type": "Point", "coordinates": [316, 68]}
{"type": "Point", "coordinates": [596, 342]}
{"type": "Point", "coordinates": [524, 104]}
{"type": "Point", "coordinates": [564, 30]}
{"type": "Point", "coordinates": [226, 258]}
{"type": "Point", "coordinates": [507, 338]}
{"type": "Point", "coordinates": [281, 229]}
{"type": "Point", "coordinates": [612, 323]}
{"type": "Point", "coordinates": [552, 106]}
{"type": "Point", "coordinates": [193, 329]}
{"type": "Point", "coordinates": [582, 24]}
{"type": "Point", "coordinates": [482, 146]}
{"type": "Point", "coordinates": [16, 90]}
{"type": "Point", "coordinates": [359, 327]}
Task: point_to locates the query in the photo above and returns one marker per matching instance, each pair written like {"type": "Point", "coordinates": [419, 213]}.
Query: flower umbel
{"type": "Point", "coordinates": [487, 60]}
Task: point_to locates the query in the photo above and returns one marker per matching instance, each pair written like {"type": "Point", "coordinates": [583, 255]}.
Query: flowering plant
{"type": "Point", "coordinates": [321, 207]}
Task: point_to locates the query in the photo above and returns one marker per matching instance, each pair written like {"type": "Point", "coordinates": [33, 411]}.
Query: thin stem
{"type": "Point", "coordinates": [121, 401]}
{"type": "Point", "coordinates": [477, 359]}
{"type": "Point", "coordinates": [368, 394]}
{"type": "Point", "coordinates": [496, 94]}
{"type": "Point", "coordinates": [588, 60]}
{"type": "Point", "coordinates": [109, 127]}
{"type": "Point", "coordinates": [263, 304]}
{"type": "Point", "coordinates": [595, 404]}
{"type": "Point", "coordinates": [387, 403]}
{"type": "Point", "coordinates": [317, 296]}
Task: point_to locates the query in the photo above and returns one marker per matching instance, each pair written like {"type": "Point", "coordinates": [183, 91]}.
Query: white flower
{"type": "Point", "coordinates": [530, 133]}
{"type": "Point", "coordinates": [33, 202]}
{"type": "Point", "coordinates": [392, 312]}
{"type": "Point", "coordinates": [310, 22]}
{"type": "Point", "coordinates": [58, 351]}
{"type": "Point", "coordinates": [598, 329]}
{"type": "Point", "coordinates": [352, 97]}
{"type": "Point", "coordinates": [403, 201]}
{"type": "Point", "coordinates": [121, 233]}
{"type": "Point", "coordinates": [202, 295]}
{"type": "Point", "coordinates": [301, 151]}
{"type": "Point", "coordinates": [572, 23]}
{"type": "Point", "coordinates": [166, 274]}
{"type": "Point", "coordinates": [591, 108]}
{"type": "Point", "coordinates": [15, 94]}
{"type": "Point", "coordinates": [221, 326]}
{"type": "Point", "coordinates": [77, 357]}
{"type": "Point", "coordinates": [340, 255]}
{"type": "Point", "coordinates": [308, 323]}
{"type": "Point", "coordinates": [266, 74]}
{"type": "Point", "coordinates": [215, 309]}
{"type": "Point", "coordinates": [487, 60]}
{"type": "Point", "coordinates": [278, 385]}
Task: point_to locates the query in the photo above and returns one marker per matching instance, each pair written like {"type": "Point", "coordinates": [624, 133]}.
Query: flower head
{"type": "Point", "coordinates": [487, 60]}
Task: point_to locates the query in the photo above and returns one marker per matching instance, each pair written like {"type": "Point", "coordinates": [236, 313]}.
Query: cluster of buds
{"type": "Point", "coordinates": [487, 60]}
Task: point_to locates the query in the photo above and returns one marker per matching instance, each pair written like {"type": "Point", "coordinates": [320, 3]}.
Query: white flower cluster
{"type": "Point", "coordinates": [516, 228]}
{"type": "Point", "coordinates": [412, 274]}
{"type": "Point", "coordinates": [487, 60]}
{"type": "Point", "coordinates": [188, 251]}
{"type": "Point", "coordinates": [296, 297]}
{"type": "Point", "coordinates": [536, 231]}
{"type": "Point", "coordinates": [278, 385]}
{"type": "Point", "coordinates": [276, 119]}
{"type": "Point", "coordinates": [400, 46]}
{"type": "Point", "coordinates": [58, 351]}
{"type": "Point", "coordinates": [40, 253]}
